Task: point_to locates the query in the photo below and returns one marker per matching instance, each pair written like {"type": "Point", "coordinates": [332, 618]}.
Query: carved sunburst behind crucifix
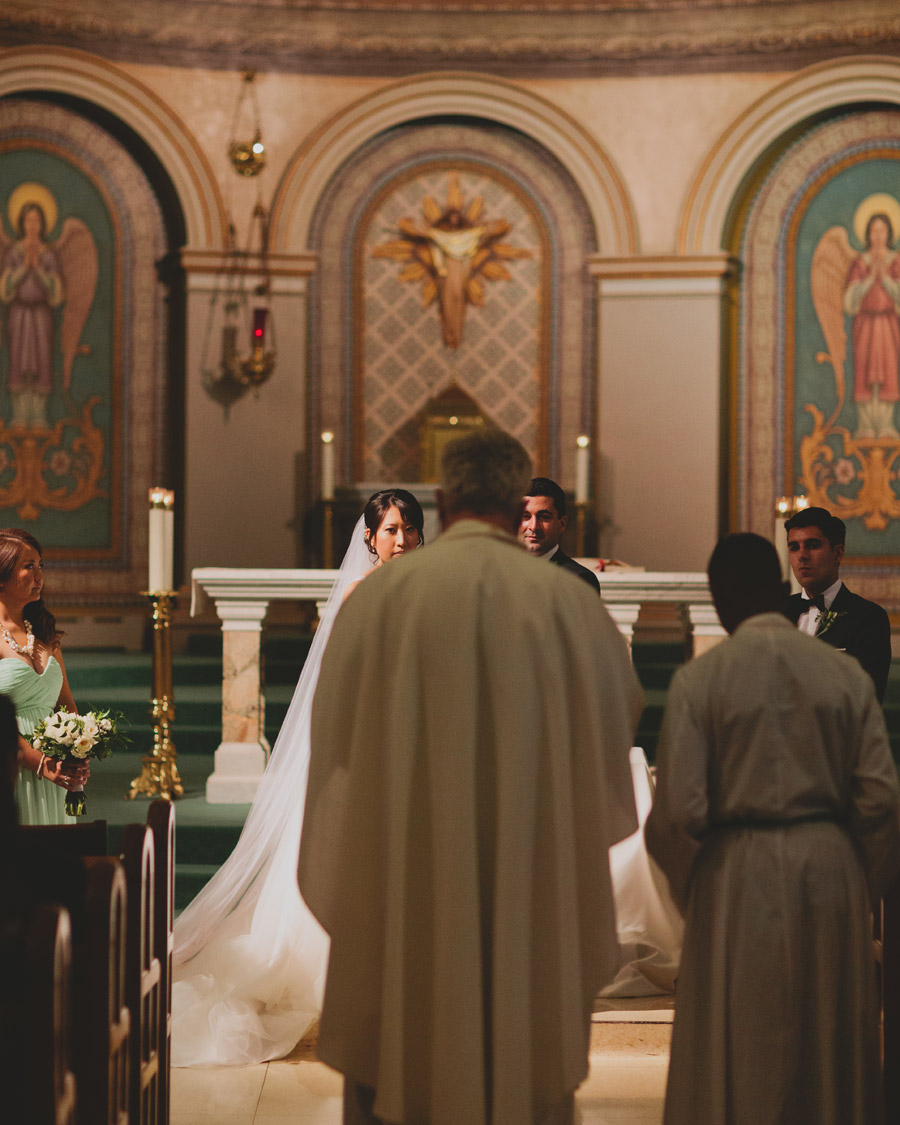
{"type": "Point", "coordinates": [452, 253]}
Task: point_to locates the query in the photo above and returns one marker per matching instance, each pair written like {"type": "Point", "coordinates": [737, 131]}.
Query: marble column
{"type": "Point", "coordinates": [625, 616]}
{"type": "Point", "coordinates": [243, 752]}
{"type": "Point", "coordinates": [706, 628]}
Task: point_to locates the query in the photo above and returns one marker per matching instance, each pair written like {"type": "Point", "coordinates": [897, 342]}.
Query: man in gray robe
{"type": "Point", "coordinates": [469, 772]}
{"type": "Point", "coordinates": [776, 822]}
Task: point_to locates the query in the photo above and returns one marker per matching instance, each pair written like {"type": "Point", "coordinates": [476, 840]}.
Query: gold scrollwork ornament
{"type": "Point", "coordinates": [33, 452]}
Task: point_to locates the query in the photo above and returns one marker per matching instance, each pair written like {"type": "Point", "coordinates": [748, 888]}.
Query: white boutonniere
{"type": "Point", "coordinates": [827, 619]}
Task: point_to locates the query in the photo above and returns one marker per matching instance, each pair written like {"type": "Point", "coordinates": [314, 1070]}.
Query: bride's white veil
{"type": "Point", "coordinates": [250, 959]}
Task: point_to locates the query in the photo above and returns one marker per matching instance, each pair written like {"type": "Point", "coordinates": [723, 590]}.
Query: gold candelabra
{"type": "Point", "coordinates": [159, 771]}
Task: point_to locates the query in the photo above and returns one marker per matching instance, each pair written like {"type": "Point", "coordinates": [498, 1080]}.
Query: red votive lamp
{"type": "Point", "coordinates": [259, 326]}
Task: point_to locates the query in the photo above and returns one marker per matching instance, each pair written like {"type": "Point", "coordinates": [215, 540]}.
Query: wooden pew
{"type": "Point", "coordinates": [148, 942]}
{"type": "Point", "coordinates": [93, 889]}
{"type": "Point", "coordinates": [45, 1022]}
{"type": "Point", "coordinates": [39, 1085]}
{"type": "Point", "coordinates": [142, 975]}
{"type": "Point", "coordinates": [161, 821]}
{"type": "Point", "coordinates": [102, 1019]}
{"type": "Point", "coordinates": [77, 838]}
{"type": "Point", "coordinates": [890, 998]}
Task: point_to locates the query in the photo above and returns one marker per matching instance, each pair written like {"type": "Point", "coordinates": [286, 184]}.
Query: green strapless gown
{"type": "Point", "coordinates": [34, 696]}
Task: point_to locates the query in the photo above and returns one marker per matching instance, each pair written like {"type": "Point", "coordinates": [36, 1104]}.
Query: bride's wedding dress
{"type": "Point", "coordinates": [250, 959]}
{"type": "Point", "coordinates": [648, 923]}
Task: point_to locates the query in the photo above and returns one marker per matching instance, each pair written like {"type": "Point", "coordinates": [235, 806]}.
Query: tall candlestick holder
{"type": "Point", "coordinates": [328, 534]}
{"type": "Point", "coordinates": [159, 773]}
{"type": "Point", "coordinates": [580, 526]}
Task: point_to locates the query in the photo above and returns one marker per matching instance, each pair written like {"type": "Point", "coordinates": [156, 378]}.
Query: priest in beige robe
{"type": "Point", "coordinates": [776, 821]}
{"type": "Point", "coordinates": [469, 772]}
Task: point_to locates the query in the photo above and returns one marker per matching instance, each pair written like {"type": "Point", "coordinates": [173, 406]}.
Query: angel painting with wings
{"type": "Point", "coordinates": [866, 287]}
{"type": "Point", "coordinates": [36, 278]}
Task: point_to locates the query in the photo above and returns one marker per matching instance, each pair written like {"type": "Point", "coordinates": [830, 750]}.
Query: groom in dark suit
{"type": "Point", "coordinates": [825, 607]}
{"type": "Point", "coordinates": [543, 522]}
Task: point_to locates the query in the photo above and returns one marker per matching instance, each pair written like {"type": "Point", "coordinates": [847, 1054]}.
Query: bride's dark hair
{"type": "Point", "coordinates": [12, 540]}
{"type": "Point", "coordinates": [380, 503]}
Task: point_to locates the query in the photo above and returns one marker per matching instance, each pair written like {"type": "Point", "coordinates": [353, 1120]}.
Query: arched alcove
{"type": "Point", "coordinates": [150, 170]}
{"type": "Point", "coordinates": [71, 75]}
{"type": "Point", "coordinates": [813, 92]}
{"type": "Point", "coordinates": [457, 95]}
{"type": "Point", "coordinates": [379, 346]}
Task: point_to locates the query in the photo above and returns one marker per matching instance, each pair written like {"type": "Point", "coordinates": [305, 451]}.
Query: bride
{"type": "Point", "coordinates": [250, 959]}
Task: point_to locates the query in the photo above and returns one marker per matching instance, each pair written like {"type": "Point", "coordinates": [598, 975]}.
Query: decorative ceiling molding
{"type": "Point", "coordinates": [462, 95]}
{"type": "Point", "coordinates": [378, 36]}
{"type": "Point", "coordinates": [818, 89]}
{"type": "Point", "coordinates": [58, 70]}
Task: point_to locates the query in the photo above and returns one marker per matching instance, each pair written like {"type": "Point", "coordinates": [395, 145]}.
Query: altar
{"type": "Point", "coordinates": [242, 597]}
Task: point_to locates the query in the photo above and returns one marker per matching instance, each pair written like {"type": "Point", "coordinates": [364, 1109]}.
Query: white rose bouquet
{"type": "Point", "coordinates": [63, 735]}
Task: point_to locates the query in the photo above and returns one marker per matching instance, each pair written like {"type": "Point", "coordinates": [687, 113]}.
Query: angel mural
{"type": "Point", "coordinates": [47, 289]}
{"type": "Point", "coordinates": [38, 277]}
{"type": "Point", "coordinates": [862, 287]}
{"type": "Point", "coordinates": [451, 253]}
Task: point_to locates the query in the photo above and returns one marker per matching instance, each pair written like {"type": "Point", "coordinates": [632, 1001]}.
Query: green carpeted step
{"type": "Point", "coordinates": [190, 879]}
{"type": "Point", "coordinates": [655, 676]}
{"type": "Point", "coordinates": [89, 671]}
{"type": "Point", "coordinates": [206, 843]}
{"type": "Point", "coordinates": [657, 652]}
{"type": "Point", "coordinates": [92, 671]}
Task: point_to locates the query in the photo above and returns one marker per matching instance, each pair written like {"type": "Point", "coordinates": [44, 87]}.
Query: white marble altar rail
{"type": "Point", "coordinates": [242, 597]}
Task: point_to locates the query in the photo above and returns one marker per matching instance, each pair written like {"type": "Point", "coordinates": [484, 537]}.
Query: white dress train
{"type": "Point", "coordinates": [250, 959]}
{"type": "Point", "coordinates": [648, 923]}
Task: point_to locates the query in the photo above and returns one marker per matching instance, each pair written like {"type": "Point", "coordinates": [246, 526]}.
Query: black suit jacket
{"type": "Point", "coordinates": [862, 629]}
{"type": "Point", "coordinates": [563, 560]}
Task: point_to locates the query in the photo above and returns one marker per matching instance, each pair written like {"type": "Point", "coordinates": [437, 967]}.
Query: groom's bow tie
{"type": "Point", "coordinates": [817, 600]}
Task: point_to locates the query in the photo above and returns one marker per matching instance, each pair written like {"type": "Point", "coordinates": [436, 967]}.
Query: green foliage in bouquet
{"type": "Point", "coordinates": [66, 736]}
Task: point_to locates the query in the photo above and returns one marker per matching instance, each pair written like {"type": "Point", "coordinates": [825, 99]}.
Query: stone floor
{"type": "Point", "coordinates": [626, 1085]}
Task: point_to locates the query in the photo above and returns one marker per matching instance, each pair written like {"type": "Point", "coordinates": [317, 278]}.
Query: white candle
{"type": "Point", "coordinates": [327, 465]}
{"type": "Point", "coordinates": [582, 468]}
{"type": "Point", "coordinates": [161, 541]}
{"type": "Point", "coordinates": [782, 513]}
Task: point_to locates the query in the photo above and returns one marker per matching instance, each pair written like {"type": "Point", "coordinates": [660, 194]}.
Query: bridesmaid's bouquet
{"type": "Point", "coordinates": [65, 736]}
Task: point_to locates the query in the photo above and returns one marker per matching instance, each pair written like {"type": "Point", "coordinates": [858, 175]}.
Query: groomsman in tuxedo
{"type": "Point", "coordinates": [825, 607]}
{"type": "Point", "coordinates": [544, 520]}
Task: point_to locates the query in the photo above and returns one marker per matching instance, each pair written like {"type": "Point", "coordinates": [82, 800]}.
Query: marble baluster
{"type": "Point", "coordinates": [243, 752]}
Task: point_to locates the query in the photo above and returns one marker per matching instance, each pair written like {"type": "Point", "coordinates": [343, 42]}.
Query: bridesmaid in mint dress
{"type": "Point", "coordinates": [33, 676]}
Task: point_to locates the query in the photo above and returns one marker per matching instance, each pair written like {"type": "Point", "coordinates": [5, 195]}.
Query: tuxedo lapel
{"type": "Point", "coordinates": [843, 601]}
{"type": "Point", "coordinates": [843, 627]}
{"type": "Point", "coordinates": [860, 628]}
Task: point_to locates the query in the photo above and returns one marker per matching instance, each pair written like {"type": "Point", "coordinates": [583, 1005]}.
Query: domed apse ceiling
{"type": "Point", "coordinates": [504, 36]}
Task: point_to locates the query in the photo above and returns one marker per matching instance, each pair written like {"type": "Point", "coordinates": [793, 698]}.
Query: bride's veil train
{"type": "Point", "coordinates": [250, 959]}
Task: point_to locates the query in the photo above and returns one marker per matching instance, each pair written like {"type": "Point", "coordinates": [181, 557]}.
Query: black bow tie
{"type": "Point", "coordinates": [818, 600]}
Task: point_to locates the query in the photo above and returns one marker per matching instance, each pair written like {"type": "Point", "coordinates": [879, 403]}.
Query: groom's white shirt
{"type": "Point", "coordinates": [808, 621]}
